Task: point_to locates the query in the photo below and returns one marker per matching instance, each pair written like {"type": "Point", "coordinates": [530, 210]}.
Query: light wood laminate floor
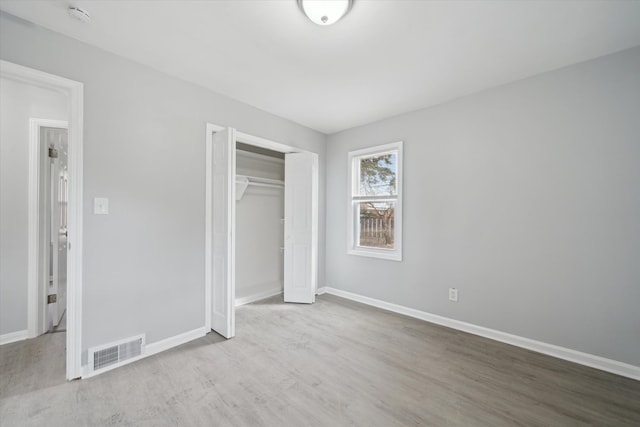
{"type": "Point", "coordinates": [334, 363]}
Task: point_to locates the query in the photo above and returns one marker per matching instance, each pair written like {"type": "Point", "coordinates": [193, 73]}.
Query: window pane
{"type": "Point", "coordinates": [376, 224]}
{"type": "Point", "coordinates": [377, 175]}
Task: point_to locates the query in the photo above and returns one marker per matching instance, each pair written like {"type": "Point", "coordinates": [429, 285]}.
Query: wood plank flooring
{"type": "Point", "coordinates": [334, 363]}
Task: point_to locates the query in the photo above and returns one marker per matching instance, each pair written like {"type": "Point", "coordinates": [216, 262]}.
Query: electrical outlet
{"type": "Point", "coordinates": [453, 294]}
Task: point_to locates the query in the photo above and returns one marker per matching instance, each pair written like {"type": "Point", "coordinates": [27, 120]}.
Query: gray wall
{"type": "Point", "coordinates": [526, 198]}
{"type": "Point", "coordinates": [18, 103]}
{"type": "Point", "coordinates": [144, 149]}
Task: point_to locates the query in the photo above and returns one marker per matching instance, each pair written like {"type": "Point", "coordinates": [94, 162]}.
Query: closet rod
{"type": "Point", "coordinates": [262, 182]}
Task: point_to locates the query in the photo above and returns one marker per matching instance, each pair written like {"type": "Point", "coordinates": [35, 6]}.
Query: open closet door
{"type": "Point", "coordinates": [223, 246]}
{"type": "Point", "coordinates": [300, 227]}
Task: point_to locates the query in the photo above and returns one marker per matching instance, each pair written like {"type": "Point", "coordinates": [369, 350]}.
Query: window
{"type": "Point", "coordinates": [375, 202]}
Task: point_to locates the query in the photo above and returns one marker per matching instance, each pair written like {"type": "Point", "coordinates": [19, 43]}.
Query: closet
{"type": "Point", "coordinates": [259, 223]}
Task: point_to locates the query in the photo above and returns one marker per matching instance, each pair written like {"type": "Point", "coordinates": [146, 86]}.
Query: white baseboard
{"type": "Point", "coordinates": [597, 362]}
{"type": "Point", "coordinates": [151, 349]}
{"type": "Point", "coordinates": [13, 337]}
{"type": "Point", "coordinates": [257, 297]}
{"type": "Point", "coordinates": [175, 341]}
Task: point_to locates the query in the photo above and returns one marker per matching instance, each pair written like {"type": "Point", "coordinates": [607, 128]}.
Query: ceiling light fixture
{"type": "Point", "coordinates": [79, 14]}
{"type": "Point", "coordinates": [325, 12]}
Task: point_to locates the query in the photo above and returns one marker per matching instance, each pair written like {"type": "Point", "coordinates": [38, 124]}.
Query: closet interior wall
{"type": "Point", "coordinates": [259, 225]}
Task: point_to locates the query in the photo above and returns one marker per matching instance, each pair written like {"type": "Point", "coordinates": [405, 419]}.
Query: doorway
{"type": "Point", "coordinates": [300, 224]}
{"type": "Point", "coordinates": [259, 223]}
{"type": "Point", "coordinates": [65, 231]}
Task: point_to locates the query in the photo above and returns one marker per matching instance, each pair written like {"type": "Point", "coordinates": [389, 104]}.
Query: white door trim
{"type": "Point", "coordinates": [36, 279]}
{"type": "Point", "coordinates": [74, 91]}
{"type": "Point", "coordinates": [246, 139]}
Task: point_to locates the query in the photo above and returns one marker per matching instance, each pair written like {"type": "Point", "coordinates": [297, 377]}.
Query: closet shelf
{"type": "Point", "coordinates": [243, 181]}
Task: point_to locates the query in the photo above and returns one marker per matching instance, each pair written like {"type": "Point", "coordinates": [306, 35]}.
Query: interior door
{"type": "Point", "coordinates": [300, 227]}
{"type": "Point", "coordinates": [62, 197]}
{"type": "Point", "coordinates": [56, 141]}
{"type": "Point", "coordinates": [223, 239]}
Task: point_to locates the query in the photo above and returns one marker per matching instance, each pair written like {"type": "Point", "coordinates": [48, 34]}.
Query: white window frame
{"type": "Point", "coordinates": [353, 230]}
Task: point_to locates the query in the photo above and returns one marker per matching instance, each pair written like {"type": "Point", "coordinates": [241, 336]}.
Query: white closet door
{"type": "Point", "coordinates": [300, 227]}
{"type": "Point", "coordinates": [223, 245]}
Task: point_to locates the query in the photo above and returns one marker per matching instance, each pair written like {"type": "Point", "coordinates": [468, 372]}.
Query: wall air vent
{"type": "Point", "coordinates": [117, 353]}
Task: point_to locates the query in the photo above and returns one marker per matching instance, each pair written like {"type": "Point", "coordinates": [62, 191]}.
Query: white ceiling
{"type": "Point", "coordinates": [384, 58]}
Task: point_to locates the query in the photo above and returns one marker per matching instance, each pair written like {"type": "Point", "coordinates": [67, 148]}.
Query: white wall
{"type": "Point", "coordinates": [18, 103]}
{"type": "Point", "coordinates": [526, 198]}
{"type": "Point", "coordinates": [259, 233]}
{"type": "Point", "coordinates": [144, 149]}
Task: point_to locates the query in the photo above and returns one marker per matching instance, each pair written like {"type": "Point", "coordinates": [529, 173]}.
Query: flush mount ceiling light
{"type": "Point", "coordinates": [325, 12]}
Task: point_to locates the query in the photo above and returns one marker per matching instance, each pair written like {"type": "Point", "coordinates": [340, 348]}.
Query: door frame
{"type": "Point", "coordinates": [256, 141]}
{"type": "Point", "coordinates": [73, 90]}
{"type": "Point", "coordinates": [36, 297]}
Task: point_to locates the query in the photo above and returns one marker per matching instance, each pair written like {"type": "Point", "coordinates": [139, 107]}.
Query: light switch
{"type": "Point", "coordinates": [100, 206]}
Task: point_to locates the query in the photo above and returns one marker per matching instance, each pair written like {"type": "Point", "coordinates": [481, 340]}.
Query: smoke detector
{"type": "Point", "coordinates": [79, 14]}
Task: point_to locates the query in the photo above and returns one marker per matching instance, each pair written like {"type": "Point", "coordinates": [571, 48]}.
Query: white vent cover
{"type": "Point", "coordinates": [116, 353]}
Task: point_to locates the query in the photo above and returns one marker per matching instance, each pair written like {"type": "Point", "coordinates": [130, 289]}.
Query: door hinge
{"type": "Point", "coordinates": [52, 298]}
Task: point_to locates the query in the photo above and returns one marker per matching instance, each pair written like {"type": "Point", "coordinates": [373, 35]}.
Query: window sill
{"type": "Point", "coordinates": [388, 255]}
